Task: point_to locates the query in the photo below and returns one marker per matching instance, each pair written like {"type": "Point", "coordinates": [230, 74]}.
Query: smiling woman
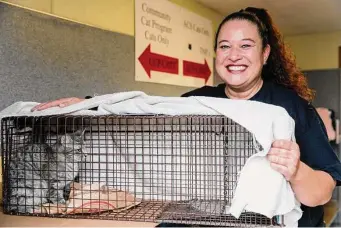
{"type": "Point", "coordinates": [240, 57]}
{"type": "Point", "coordinates": [254, 64]}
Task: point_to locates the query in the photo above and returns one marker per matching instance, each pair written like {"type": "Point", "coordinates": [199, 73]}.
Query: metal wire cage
{"type": "Point", "coordinates": [178, 169]}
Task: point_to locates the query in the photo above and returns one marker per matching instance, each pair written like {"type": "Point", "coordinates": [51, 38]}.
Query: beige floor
{"type": "Point", "coordinates": [29, 221]}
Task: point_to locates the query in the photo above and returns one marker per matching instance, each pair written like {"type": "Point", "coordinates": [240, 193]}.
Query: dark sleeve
{"type": "Point", "coordinates": [316, 151]}
{"type": "Point", "coordinates": [207, 91]}
{"type": "Point", "coordinates": [196, 92]}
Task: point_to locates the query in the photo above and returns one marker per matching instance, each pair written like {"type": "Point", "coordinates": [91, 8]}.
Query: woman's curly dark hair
{"type": "Point", "coordinates": [281, 66]}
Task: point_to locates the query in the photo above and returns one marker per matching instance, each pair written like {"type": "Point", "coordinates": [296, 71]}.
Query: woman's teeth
{"type": "Point", "coordinates": [236, 68]}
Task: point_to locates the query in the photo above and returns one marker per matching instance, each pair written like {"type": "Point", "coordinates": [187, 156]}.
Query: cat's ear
{"type": "Point", "coordinates": [83, 133]}
{"type": "Point", "coordinates": [80, 133]}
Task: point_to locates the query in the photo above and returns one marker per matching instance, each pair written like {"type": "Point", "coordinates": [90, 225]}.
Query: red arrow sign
{"type": "Point", "coordinates": [196, 70]}
{"type": "Point", "coordinates": [156, 62]}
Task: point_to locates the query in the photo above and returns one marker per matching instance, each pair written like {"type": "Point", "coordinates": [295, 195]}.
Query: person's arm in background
{"type": "Point", "coordinates": [63, 102]}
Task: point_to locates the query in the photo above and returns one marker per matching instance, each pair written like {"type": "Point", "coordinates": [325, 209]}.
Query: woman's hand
{"type": "Point", "coordinates": [284, 157]}
{"type": "Point", "coordinates": [60, 103]}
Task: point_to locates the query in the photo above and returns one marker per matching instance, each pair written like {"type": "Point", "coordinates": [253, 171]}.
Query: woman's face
{"type": "Point", "coordinates": [240, 55]}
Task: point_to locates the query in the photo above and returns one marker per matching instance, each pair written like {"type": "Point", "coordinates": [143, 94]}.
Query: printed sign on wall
{"type": "Point", "coordinates": [172, 45]}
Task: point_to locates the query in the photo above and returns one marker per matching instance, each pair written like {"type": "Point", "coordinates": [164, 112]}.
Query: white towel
{"type": "Point", "coordinates": [266, 122]}
{"type": "Point", "coordinates": [243, 112]}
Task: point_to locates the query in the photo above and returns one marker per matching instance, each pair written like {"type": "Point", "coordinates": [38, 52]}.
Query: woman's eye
{"type": "Point", "coordinates": [224, 46]}
{"type": "Point", "coordinates": [246, 46]}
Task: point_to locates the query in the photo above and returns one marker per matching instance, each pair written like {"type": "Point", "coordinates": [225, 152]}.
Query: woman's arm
{"type": "Point", "coordinates": [311, 187]}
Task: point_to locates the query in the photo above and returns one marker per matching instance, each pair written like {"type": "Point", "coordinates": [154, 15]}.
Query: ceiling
{"type": "Point", "coordinates": [293, 17]}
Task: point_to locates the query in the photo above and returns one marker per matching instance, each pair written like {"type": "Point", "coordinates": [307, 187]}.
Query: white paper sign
{"type": "Point", "coordinates": [172, 45]}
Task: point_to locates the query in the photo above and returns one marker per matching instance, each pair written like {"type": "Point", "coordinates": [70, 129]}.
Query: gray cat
{"type": "Point", "coordinates": [38, 173]}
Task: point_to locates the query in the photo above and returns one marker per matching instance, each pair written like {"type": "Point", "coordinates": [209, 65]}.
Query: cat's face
{"type": "Point", "coordinates": [73, 144]}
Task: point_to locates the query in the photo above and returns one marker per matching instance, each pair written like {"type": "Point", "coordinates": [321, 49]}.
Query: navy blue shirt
{"type": "Point", "coordinates": [310, 133]}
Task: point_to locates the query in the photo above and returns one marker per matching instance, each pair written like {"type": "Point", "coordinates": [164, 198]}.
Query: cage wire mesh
{"type": "Point", "coordinates": [179, 169]}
